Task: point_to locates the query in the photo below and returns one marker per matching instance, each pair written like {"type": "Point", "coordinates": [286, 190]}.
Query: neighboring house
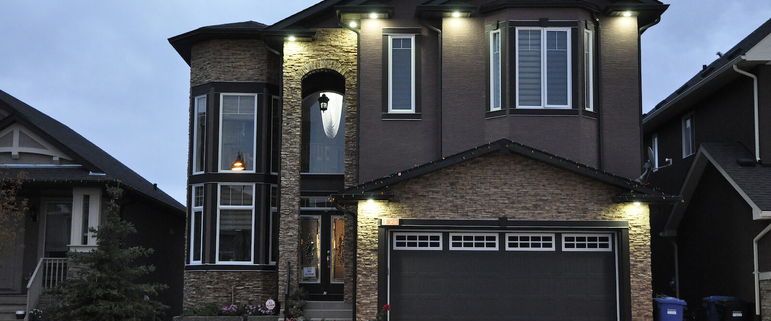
{"type": "Point", "coordinates": [457, 160]}
{"type": "Point", "coordinates": [64, 180]}
{"type": "Point", "coordinates": [711, 143]}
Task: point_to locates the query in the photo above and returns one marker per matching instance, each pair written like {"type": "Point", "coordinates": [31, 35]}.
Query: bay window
{"type": "Point", "coordinates": [199, 134]}
{"type": "Point", "coordinates": [196, 224]}
{"type": "Point", "coordinates": [238, 131]}
{"type": "Point", "coordinates": [543, 76]}
{"type": "Point", "coordinates": [235, 221]}
{"type": "Point", "coordinates": [495, 70]}
{"type": "Point", "coordinates": [401, 73]}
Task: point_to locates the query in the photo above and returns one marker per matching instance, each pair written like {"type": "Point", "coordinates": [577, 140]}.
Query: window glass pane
{"type": "Point", "coordinates": [588, 72]}
{"type": "Point", "coordinates": [197, 196]}
{"type": "Point", "coordinates": [236, 195]}
{"type": "Point", "coordinates": [529, 67]}
{"type": "Point", "coordinates": [235, 235]}
{"type": "Point", "coordinates": [200, 133]}
{"type": "Point", "coordinates": [238, 135]}
{"type": "Point", "coordinates": [323, 135]}
{"type": "Point", "coordinates": [197, 233]}
{"type": "Point", "coordinates": [401, 73]}
{"type": "Point", "coordinates": [310, 250]}
{"type": "Point", "coordinates": [556, 68]}
{"type": "Point", "coordinates": [495, 83]}
{"type": "Point", "coordinates": [688, 136]}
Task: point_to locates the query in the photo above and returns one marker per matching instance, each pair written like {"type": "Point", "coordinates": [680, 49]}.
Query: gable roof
{"type": "Point", "coordinates": [737, 166]}
{"type": "Point", "coordinates": [100, 166]}
{"type": "Point", "coordinates": [378, 188]}
{"type": "Point", "coordinates": [237, 30]}
{"type": "Point", "coordinates": [711, 77]}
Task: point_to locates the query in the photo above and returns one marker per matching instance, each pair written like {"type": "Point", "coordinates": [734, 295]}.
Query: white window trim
{"type": "Point", "coordinates": [254, 143]}
{"type": "Point", "coordinates": [611, 243]}
{"type": "Point", "coordinates": [193, 210]}
{"type": "Point", "coordinates": [493, 107]}
{"type": "Point", "coordinates": [531, 249]}
{"type": "Point", "coordinates": [589, 70]}
{"type": "Point", "coordinates": [234, 207]}
{"type": "Point", "coordinates": [655, 147]}
{"type": "Point", "coordinates": [94, 217]}
{"type": "Point", "coordinates": [390, 74]}
{"type": "Point", "coordinates": [480, 249]}
{"type": "Point", "coordinates": [544, 87]}
{"type": "Point", "coordinates": [395, 248]}
{"type": "Point", "coordinates": [692, 143]}
{"type": "Point", "coordinates": [195, 135]}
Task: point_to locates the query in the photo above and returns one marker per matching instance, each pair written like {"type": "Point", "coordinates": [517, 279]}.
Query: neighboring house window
{"type": "Point", "coordinates": [588, 71]}
{"type": "Point", "coordinates": [655, 149]}
{"type": "Point", "coordinates": [543, 67]}
{"type": "Point", "coordinates": [238, 130]}
{"type": "Point", "coordinates": [235, 219]}
{"type": "Point", "coordinates": [199, 134]}
{"type": "Point", "coordinates": [495, 70]}
{"type": "Point", "coordinates": [401, 73]}
{"type": "Point", "coordinates": [196, 225]}
{"type": "Point", "coordinates": [86, 211]}
{"type": "Point", "coordinates": [688, 133]}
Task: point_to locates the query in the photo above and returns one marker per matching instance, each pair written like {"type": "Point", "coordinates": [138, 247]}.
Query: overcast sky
{"type": "Point", "coordinates": [105, 68]}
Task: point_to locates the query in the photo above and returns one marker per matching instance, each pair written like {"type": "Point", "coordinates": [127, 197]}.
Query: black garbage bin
{"type": "Point", "coordinates": [725, 308]}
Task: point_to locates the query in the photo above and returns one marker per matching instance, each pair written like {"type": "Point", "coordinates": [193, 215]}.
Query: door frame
{"type": "Point", "coordinates": [619, 230]}
{"type": "Point", "coordinates": [43, 221]}
{"type": "Point", "coordinates": [325, 289]}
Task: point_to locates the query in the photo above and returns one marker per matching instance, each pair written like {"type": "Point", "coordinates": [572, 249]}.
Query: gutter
{"type": "Point", "coordinates": [756, 272]}
{"type": "Point", "coordinates": [755, 109]}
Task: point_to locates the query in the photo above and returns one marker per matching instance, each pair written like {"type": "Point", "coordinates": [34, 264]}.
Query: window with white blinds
{"type": "Point", "coordinates": [543, 67]}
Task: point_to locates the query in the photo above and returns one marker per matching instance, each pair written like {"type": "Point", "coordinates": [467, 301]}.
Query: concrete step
{"type": "Point", "coordinates": [328, 310]}
{"type": "Point", "coordinates": [9, 304]}
{"type": "Point", "coordinates": [13, 299]}
{"type": "Point", "coordinates": [328, 305]}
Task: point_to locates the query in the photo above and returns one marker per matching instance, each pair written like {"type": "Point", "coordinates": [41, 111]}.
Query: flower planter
{"type": "Point", "coordinates": [221, 318]}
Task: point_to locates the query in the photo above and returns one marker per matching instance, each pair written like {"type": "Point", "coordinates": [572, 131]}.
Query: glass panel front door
{"type": "Point", "coordinates": [57, 229]}
{"type": "Point", "coordinates": [322, 264]}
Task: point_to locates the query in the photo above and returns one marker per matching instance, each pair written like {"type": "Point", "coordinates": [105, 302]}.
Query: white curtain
{"type": "Point", "coordinates": [331, 118]}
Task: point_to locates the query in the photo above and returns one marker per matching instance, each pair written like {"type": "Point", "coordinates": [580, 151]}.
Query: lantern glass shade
{"type": "Point", "coordinates": [323, 102]}
{"type": "Point", "coordinates": [239, 164]}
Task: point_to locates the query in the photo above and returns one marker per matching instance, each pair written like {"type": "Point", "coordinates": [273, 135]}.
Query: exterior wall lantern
{"type": "Point", "coordinates": [323, 102]}
{"type": "Point", "coordinates": [239, 164]}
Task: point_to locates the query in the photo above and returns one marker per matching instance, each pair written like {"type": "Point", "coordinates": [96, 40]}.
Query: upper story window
{"type": "Point", "coordinates": [235, 221]}
{"type": "Point", "coordinates": [238, 130]}
{"type": "Point", "coordinates": [401, 73]}
{"type": "Point", "coordinates": [323, 135]}
{"type": "Point", "coordinates": [543, 67]}
{"type": "Point", "coordinates": [196, 224]}
{"type": "Point", "coordinates": [588, 70]}
{"type": "Point", "coordinates": [199, 134]}
{"type": "Point", "coordinates": [495, 70]}
{"type": "Point", "coordinates": [688, 136]}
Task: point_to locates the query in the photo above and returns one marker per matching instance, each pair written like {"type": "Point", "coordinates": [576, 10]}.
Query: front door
{"type": "Point", "coordinates": [321, 268]}
{"type": "Point", "coordinates": [58, 221]}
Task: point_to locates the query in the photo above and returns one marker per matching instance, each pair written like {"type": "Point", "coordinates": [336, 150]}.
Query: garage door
{"type": "Point", "coordinates": [473, 275]}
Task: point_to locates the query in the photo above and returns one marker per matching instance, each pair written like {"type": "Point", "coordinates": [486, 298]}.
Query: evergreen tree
{"type": "Point", "coordinates": [107, 284]}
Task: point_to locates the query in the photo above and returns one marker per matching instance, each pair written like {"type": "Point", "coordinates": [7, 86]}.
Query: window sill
{"type": "Point", "coordinates": [588, 113]}
{"type": "Point", "coordinates": [544, 111]}
{"type": "Point", "coordinates": [230, 267]}
{"type": "Point", "coordinates": [404, 116]}
{"type": "Point", "coordinates": [495, 114]}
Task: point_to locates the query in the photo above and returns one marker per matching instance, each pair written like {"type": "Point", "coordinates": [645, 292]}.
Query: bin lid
{"type": "Point", "coordinates": [669, 300]}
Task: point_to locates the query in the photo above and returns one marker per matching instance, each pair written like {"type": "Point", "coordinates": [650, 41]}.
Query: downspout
{"type": "Point", "coordinates": [439, 84]}
{"type": "Point", "coordinates": [598, 88]}
{"type": "Point", "coordinates": [675, 250]}
{"type": "Point", "coordinates": [756, 264]}
{"type": "Point", "coordinates": [755, 102]}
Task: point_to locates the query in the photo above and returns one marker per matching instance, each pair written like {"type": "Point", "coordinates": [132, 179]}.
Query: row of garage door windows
{"type": "Point", "coordinates": [514, 242]}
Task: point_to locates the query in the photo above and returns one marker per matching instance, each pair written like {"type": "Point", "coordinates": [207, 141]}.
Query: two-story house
{"type": "Point", "coordinates": [457, 160]}
{"type": "Point", "coordinates": [63, 179]}
{"type": "Point", "coordinates": [710, 142]}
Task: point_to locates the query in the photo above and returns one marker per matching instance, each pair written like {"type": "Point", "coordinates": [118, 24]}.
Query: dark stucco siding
{"type": "Point", "coordinates": [764, 97]}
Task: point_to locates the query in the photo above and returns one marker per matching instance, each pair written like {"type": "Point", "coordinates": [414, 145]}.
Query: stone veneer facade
{"type": "Point", "coordinates": [331, 49]}
{"type": "Point", "coordinates": [233, 60]}
{"type": "Point", "coordinates": [518, 188]}
{"type": "Point", "coordinates": [221, 287]}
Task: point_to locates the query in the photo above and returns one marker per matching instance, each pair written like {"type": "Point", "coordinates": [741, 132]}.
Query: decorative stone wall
{"type": "Point", "coordinates": [232, 60]}
{"type": "Point", "coordinates": [509, 186]}
{"type": "Point", "coordinates": [223, 287]}
{"type": "Point", "coordinates": [765, 299]}
{"type": "Point", "coordinates": [331, 49]}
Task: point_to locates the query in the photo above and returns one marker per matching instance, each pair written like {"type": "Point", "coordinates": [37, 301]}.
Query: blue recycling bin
{"type": "Point", "coordinates": [725, 308]}
{"type": "Point", "coordinates": [669, 309]}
